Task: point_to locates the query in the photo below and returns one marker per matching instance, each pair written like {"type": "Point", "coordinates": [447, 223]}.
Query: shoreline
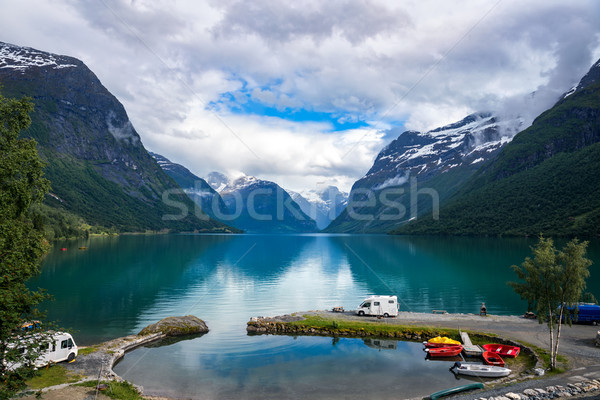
{"type": "Point", "coordinates": [584, 357]}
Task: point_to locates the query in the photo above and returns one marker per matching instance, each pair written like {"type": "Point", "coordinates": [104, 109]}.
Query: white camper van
{"type": "Point", "coordinates": [386, 306]}
{"type": "Point", "coordinates": [59, 347]}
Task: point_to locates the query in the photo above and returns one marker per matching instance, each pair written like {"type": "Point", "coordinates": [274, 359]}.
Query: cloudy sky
{"type": "Point", "coordinates": [306, 93]}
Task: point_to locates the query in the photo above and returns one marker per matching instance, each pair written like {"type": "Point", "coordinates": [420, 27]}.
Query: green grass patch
{"type": "Point", "coordinates": [84, 351]}
{"type": "Point", "coordinates": [116, 390]}
{"type": "Point", "coordinates": [562, 363]}
{"type": "Point", "coordinates": [383, 329]}
{"type": "Point", "coordinates": [54, 375]}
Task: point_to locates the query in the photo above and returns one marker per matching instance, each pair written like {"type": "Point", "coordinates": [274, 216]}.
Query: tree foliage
{"type": "Point", "coordinates": [552, 281]}
{"type": "Point", "coordinates": [22, 244]}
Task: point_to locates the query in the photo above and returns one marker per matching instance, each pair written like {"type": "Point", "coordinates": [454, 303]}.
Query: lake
{"type": "Point", "coordinates": [121, 284]}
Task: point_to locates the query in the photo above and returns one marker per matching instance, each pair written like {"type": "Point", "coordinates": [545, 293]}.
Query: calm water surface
{"type": "Point", "coordinates": [119, 285]}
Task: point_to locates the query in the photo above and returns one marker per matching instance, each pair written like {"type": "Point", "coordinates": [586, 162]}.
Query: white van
{"type": "Point", "coordinates": [58, 347]}
{"type": "Point", "coordinates": [386, 306]}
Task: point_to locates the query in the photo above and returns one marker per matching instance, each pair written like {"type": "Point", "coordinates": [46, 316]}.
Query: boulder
{"type": "Point", "coordinates": [176, 326]}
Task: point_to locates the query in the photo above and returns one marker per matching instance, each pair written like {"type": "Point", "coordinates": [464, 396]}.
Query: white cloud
{"type": "Point", "coordinates": [181, 69]}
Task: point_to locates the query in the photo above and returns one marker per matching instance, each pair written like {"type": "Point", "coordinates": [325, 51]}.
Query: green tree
{"type": "Point", "coordinates": [22, 244]}
{"type": "Point", "coordinates": [552, 281]}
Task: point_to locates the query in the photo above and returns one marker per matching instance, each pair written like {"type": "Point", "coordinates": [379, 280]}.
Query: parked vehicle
{"type": "Point", "coordinates": [502, 349]}
{"type": "Point", "coordinates": [484, 371]}
{"type": "Point", "coordinates": [386, 306]}
{"type": "Point", "coordinates": [584, 313]}
{"type": "Point", "coordinates": [60, 346]}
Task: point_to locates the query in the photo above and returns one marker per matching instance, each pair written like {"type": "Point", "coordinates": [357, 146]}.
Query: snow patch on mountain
{"type": "Point", "coordinates": [21, 58]}
{"type": "Point", "coordinates": [321, 205]}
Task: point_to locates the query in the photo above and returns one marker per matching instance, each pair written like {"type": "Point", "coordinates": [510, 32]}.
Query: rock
{"type": "Point", "coordinates": [598, 338]}
{"type": "Point", "coordinates": [530, 392]}
{"type": "Point", "coordinates": [176, 326]}
{"type": "Point", "coordinates": [513, 396]}
{"type": "Point", "coordinates": [539, 371]}
{"type": "Point", "coordinates": [541, 391]}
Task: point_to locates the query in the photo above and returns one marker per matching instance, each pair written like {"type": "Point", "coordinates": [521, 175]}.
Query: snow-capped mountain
{"type": "Point", "coordinates": [321, 205]}
{"type": "Point", "coordinates": [440, 160]}
{"type": "Point", "coordinates": [257, 205]}
{"type": "Point", "coordinates": [21, 58]}
{"type": "Point", "coordinates": [95, 160]}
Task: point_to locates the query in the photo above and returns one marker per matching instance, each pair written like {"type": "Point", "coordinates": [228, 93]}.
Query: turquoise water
{"type": "Point", "coordinates": [119, 285]}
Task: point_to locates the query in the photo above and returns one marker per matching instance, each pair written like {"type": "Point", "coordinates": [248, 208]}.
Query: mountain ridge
{"type": "Point", "coordinates": [95, 159]}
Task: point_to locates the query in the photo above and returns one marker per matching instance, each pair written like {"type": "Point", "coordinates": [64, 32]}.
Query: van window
{"type": "Point", "coordinates": [70, 343]}
{"type": "Point", "coordinates": [391, 301]}
{"type": "Point", "coordinates": [366, 305]}
{"type": "Point", "coordinates": [63, 344]}
{"type": "Point", "coordinates": [376, 303]}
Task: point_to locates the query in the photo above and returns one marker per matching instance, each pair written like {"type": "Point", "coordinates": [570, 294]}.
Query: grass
{"type": "Point", "coordinates": [116, 390]}
{"type": "Point", "coordinates": [54, 375]}
{"type": "Point", "coordinates": [84, 351]}
{"type": "Point", "coordinates": [544, 355]}
{"type": "Point", "coordinates": [370, 328]}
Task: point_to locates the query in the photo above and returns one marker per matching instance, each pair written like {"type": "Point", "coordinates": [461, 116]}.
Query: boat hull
{"type": "Point", "coordinates": [502, 349]}
{"type": "Point", "coordinates": [480, 370]}
{"type": "Point", "coordinates": [444, 351]}
{"type": "Point", "coordinates": [493, 359]}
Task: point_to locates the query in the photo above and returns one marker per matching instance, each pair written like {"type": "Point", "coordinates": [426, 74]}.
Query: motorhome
{"type": "Point", "coordinates": [59, 346]}
{"type": "Point", "coordinates": [386, 306]}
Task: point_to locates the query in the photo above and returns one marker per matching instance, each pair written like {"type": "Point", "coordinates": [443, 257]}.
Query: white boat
{"type": "Point", "coordinates": [481, 370]}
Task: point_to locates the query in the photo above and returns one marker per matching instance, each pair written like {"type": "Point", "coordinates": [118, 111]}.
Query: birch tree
{"type": "Point", "coordinates": [552, 281]}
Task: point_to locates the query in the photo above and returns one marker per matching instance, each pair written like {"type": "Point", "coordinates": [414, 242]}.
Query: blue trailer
{"type": "Point", "coordinates": [585, 312]}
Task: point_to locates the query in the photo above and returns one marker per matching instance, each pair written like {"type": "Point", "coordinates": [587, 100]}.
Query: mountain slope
{"type": "Point", "coordinates": [96, 162]}
{"type": "Point", "coordinates": [205, 197]}
{"type": "Point", "coordinates": [260, 206]}
{"type": "Point", "coordinates": [418, 170]}
{"type": "Point", "coordinates": [545, 180]}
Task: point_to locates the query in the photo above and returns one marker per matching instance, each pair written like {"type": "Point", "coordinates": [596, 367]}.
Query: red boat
{"type": "Point", "coordinates": [502, 349]}
{"type": "Point", "coordinates": [430, 345]}
{"type": "Point", "coordinates": [493, 359]}
{"type": "Point", "coordinates": [444, 351]}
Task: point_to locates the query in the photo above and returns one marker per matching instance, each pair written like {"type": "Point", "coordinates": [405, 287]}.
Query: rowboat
{"type": "Point", "coordinates": [480, 370]}
{"type": "Point", "coordinates": [502, 349]}
{"type": "Point", "coordinates": [443, 339]}
{"type": "Point", "coordinates": [430, 345]}
{"type": "Point", "coordinates": [444, 351]}
{"type": "Point", "coordinates": [454, 390]}
{"type": "Point", "coordinates": [492, 359]}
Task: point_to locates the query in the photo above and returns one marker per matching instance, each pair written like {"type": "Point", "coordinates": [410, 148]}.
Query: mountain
{"type": "Point", "coordinates": [321, 205]}
{"type": "Point", "coordinates": [546, 180]}
{"type": "Point", "coordinates": [256, 205]}
{"type": "Point", "coordinates": [418, 170]}
{"type": "Point", "coordinates": [96, 162]}
{"type": "Point", "coordinates": [205, 197]}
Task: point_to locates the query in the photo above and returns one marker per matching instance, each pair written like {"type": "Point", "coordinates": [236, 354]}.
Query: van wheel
{"type": "Point", "coordinates": [386, 315]}
{"type": "Point", "coordinates": [71, 357]}
{"type": "Point", "coordinates": [361, 313]}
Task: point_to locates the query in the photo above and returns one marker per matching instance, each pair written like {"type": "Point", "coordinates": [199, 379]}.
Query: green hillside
{"type": "Point", "coordinates": [100, 172]}
{"type": "Point", "coordinates": [547, 180]}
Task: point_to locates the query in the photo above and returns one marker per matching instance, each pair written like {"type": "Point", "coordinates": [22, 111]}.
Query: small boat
{"type": "Point", "coordinates": [444, 351]}
{"type": "Point", "coordinates": [492, 359]}
{"type": "Point", "coordinates": [480, 370]}
{"type": "Point", "coordinates": [454, 390]}
{"type": "Point", "coordinates": [82, 248]}
{"type": "Point", "coordinates": [430, 345]}
{"type": "Point", "coordinates": [443, 339]}
{"type": "Point", "coordinates": [63, 249]}
{"type": "Point", "coordinates": [502, 349]}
